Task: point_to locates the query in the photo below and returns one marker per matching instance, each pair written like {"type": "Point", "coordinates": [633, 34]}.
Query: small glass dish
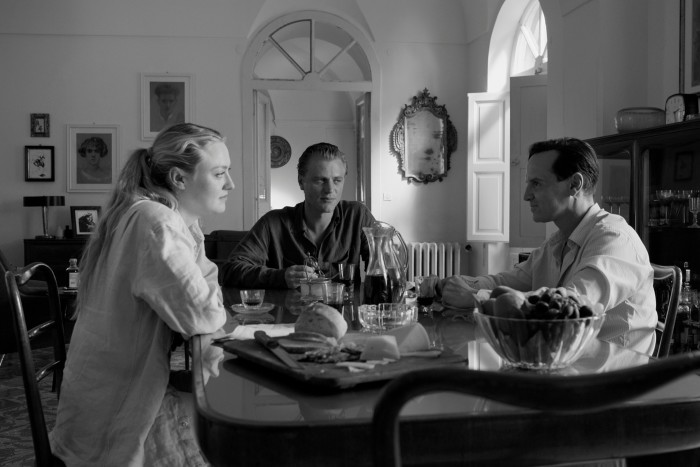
{"type": "Point", "coordinates": [385, 316]}
{"type": "Point", "coordinates": [243, 310]}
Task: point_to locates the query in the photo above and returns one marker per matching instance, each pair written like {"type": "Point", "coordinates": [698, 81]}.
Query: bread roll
{"type": "Point", "coordinates": [322, 319]}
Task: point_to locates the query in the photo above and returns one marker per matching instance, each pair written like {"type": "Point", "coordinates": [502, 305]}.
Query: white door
{"type": "Point", "coordinates": [488, 168]}
{"type": "Point", "coordinates": [263, 130]}
{"type": "Point", "coordinates": [528, 124]}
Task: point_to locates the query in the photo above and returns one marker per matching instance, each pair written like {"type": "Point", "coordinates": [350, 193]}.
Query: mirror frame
{"type": "Point", "coordinates": [419, 103]}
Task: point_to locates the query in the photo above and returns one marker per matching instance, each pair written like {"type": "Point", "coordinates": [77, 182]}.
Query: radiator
{"type": "Point", "coordinates": [441, 259]}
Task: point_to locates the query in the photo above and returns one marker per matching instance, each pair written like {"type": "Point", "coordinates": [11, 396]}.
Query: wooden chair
{"type": "Point", "coordinates": [550, 393]}
{"type": "Point", "coordinates": [13, 282]}
{"type": "Point", "coordinates": [667, 285]}
{"type": "Point", "coordinates": [219, 244]}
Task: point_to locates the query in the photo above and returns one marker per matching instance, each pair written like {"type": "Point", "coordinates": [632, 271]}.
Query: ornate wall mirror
{"type": "Point", "coordinates": [423, 139]}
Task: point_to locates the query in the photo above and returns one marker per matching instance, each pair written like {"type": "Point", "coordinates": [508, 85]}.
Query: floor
{"type": "Point", "coordinates": [16, 447]}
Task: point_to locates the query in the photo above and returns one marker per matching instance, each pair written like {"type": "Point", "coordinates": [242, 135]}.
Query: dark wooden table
{"type": "Point", "coordinates": [249, 416]}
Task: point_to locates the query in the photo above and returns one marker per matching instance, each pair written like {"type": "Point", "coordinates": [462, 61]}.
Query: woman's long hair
{"type": "Point", "coordinates": [145, 176]}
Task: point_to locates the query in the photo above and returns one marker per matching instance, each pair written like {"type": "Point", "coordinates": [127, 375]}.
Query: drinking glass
{"type": "Point", "coordinates": [345, 274]}
{"type": "Point", "coordinates": [425, 291]}
{"type": "Point", "coordinates": [333, 295]}
{"type": "Point", "coordinates": [694, 207]}
{"type": "Point", "coordinates": [252, 298]}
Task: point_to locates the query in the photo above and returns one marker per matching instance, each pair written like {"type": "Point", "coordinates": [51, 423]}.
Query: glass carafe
{"type": "Point", "coordinates": [385, 280]}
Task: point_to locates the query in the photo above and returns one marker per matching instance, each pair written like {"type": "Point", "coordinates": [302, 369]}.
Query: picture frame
{"type": "Point", "coordinates": [92, 157]}
{"type": "Point", "coordinates": [690, 47]}
{"type": "Point", "coordinates": [84, 219]}
{"type": "Point", "coordinates": [166, 99]}
{"type": "Point", "coordinates": [39, 125]}
{"type": "Point", "coordinates": [683, 167]}
{"type": "Point", "coordinates": [39, 164]}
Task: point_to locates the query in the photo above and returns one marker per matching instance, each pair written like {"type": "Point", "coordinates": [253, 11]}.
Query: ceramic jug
{"type": "Point", "coordinates": [385, 279]}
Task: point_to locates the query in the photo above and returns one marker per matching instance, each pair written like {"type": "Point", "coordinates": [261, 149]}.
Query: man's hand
{"type": "Point", "coordinates": [293, 275]}
{"type": "Point", "coordinates": [457, 292]}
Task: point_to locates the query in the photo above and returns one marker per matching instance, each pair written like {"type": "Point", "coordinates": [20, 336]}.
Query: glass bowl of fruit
{"type": "Point", "coordinates": [546, 329]}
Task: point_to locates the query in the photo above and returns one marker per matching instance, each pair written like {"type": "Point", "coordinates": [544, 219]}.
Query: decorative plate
{"type": "Point", "coordinates": [280, 151]}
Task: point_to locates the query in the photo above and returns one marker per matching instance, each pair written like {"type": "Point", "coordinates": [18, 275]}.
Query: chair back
{"type": "Point", "coordinates": [30, 377]}
{"type": "Point", "coordinates": [668, 282]}
{"type": "Point", "coordinates": [544, 392]}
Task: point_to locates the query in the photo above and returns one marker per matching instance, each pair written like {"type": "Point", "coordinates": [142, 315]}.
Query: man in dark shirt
{"type": "Point", "coordinates": [272, 254]}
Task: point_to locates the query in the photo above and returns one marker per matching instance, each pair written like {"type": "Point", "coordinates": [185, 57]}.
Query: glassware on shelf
{"type": "Point", "coordinates": [694, 207]}
{"type": "Point", "coordinates": [664, 197]}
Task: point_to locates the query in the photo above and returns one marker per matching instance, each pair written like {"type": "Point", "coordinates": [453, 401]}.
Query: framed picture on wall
{"type": "Point", "coordinates": [166, 99]}
{"type": "Point", "coordinates": [690, 47]}
{"type": "Point", "coordinates": [39, 163]}
{"type": "Point", "coordinates": [84, 219]}
{"type": "Point", "coordinates": [683, 169]}
{"type": "Point", "coordinates": [93, 155]}
{"type": "Point", "coordinates": [39, 125]}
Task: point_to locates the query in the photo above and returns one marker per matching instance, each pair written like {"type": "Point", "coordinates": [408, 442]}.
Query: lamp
{"type": "Point", "coordinates": [44, 202]}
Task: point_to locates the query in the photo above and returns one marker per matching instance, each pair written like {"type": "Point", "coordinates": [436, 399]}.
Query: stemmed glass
{"type": "Point", "coordinates": [425, 291]}
{"type": "Point", "coordinates": [694, 207]}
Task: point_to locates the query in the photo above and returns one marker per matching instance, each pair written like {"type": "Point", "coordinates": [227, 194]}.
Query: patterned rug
{"type": "Point", "coordinates": [16, 447]}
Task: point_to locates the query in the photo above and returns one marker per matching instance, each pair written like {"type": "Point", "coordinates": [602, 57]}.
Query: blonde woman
{"type": "Point", "coordinates": [143, 275]}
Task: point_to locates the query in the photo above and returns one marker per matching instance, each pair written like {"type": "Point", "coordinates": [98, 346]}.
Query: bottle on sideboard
{"type": "Point", "coordinates": [73, 273]}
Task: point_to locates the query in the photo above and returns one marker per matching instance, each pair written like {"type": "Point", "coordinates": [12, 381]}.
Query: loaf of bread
{"type": "Point", "coordinates": [322, 319]}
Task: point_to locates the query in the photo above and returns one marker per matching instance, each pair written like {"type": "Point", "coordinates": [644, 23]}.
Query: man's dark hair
{"type": "Point", "coordinates": [573, 156]}
{"type": "Point", "coordinates": [326, 150]}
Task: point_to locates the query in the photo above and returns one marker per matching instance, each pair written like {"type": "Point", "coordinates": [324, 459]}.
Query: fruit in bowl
{"type": "Point", "coordinates": [546, 329]}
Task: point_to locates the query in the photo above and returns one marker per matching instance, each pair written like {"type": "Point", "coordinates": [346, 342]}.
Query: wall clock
{"type": "Point", "coordinates": [680, 106]}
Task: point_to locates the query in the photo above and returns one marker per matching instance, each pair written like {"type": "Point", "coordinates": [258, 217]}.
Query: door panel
{"type": "Point", "coordinates": [528, 104]}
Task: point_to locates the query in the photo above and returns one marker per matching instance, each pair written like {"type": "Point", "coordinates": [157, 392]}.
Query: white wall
{"type": "Point", "coordinates": [80, 61]}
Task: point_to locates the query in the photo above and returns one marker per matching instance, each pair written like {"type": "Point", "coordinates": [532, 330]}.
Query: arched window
{"type": "Point", "coordinates": [311, 48]}
{"type": "Point", "coordinates": [529, 55]}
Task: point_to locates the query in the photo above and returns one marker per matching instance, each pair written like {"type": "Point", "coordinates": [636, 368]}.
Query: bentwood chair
{"type": "Point", "coordinates": [667, 286]}
{"type": "Point", "coordinates": [548, 393]}
{"type": "Point", "coordinates": [13, 282]}
{"type": "Point", "coordinates": [34, 301]}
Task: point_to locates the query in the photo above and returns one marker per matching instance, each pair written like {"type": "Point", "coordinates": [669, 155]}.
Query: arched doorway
{"type": "Point", "coordinates": [295, 62]}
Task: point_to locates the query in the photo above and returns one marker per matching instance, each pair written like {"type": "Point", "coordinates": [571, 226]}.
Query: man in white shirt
{"type": "Point", "coordinates": [595, 253]}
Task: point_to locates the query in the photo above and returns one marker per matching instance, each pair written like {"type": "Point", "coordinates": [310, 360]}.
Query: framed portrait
{"type": "Point", "coordinates": [683, 169]}
{"type": "Point", "coordinates": [84, 219]}
{"type": "Point", "coordinates": [39, 125]}
{"type": "Point", "coordinates": [166, 99]}
{"type": "Point", "coordinates": [690, 47]}
{"type": "Point", "coordinates": [39, 163]}
{"type": "Point", "coordinates": [93, 155]}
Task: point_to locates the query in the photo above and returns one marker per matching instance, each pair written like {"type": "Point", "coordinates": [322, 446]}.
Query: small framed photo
{"type": "Point", "coordinates": [39, 125]}
{"type": "Point", "coordinates": [93, 155]}
{"type": "Point", "coordinates": [683, 169]}
{"type": "Point", "coordinates": [84, 219]}
{"type": "Point", "coordinates": [166, 99]}
{"type": "Point", "coordinates": [39, 163]}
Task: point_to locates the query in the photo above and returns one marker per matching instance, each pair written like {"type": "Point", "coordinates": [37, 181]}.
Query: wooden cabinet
{"type": "Point", "coordinates": [635, 168]}
{"type": "Point", "coordinates": [648, 177]}
{"type": "Point", "coordinates": [55, 253]}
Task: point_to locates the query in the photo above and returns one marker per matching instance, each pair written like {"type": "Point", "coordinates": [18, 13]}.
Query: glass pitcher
{"type": "Point", "coordinates": [385, 280]}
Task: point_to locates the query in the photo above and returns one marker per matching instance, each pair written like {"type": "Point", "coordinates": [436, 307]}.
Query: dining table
{"type": "Point", "coordinates": [249, 414]}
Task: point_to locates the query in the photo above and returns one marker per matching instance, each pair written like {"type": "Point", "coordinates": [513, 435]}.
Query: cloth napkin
{"type": "Point", "coordinates": [246, 331]}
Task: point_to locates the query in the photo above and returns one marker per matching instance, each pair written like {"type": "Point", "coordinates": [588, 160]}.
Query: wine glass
{"type": "Point", "coordinates": [425, 291]}
{"type": "Point", "coordinates": [694, 207]}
